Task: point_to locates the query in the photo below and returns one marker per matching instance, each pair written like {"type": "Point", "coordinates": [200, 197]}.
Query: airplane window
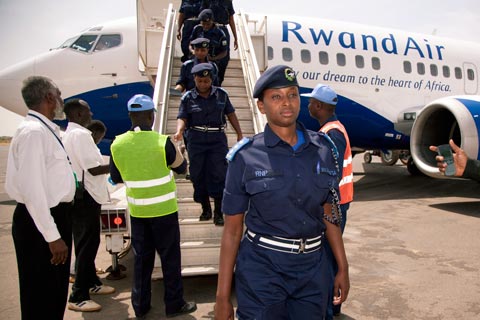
{"type": "Point", "coordinates": [305, 56]}
{"type": "Point", "coordinates": [458, 73]}
{"type": "Point", "coordinates": [108, 41]}
{"type": "Point", "coordinates": [341, 61]}
{"type": "Point", "coordinates": [67, 43]}
{"type": "Point", "coordinates": [84, 43]}
{"type": "Point", "coordinates": [323, 56]}
{"type": "Point", "coordinates": [359, 62]}
{"type": "Point", "coordinates": [446, 71]}
{"type": "Point", "coordinates": [376, 63]}
{"type": "Point", "coordinates": [407, 67]}
{"type": "Point", "coordinates": [470, 74]}
{"type": "Point", "coordinates": [433, 70]}
{"type": "Point", "coordinates": [420, 68]}
{"type": "Point", "coordinates": [270, 53]}
{"type": "Point", "coordinates": [287, 54]}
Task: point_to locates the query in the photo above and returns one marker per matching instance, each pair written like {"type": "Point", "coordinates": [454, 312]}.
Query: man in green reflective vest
{"type": "Point", "coordinates": [143, 160]}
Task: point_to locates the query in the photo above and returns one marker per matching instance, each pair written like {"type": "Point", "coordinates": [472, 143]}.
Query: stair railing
{"type": "Point", "coordinates": [165, 64]}
{"type": "Point", "coordinates": [251, 71]}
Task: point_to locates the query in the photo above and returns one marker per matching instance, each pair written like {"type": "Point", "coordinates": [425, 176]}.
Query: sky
{"type": "Point", "coordinates": [31, 27]}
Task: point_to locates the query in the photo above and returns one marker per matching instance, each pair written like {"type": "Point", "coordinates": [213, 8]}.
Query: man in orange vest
{"type": "Point", "coordinates": [322, 103]}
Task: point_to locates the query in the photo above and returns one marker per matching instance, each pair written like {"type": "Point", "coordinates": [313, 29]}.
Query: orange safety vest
{"type": "Point", "coordinates": [346, 184]}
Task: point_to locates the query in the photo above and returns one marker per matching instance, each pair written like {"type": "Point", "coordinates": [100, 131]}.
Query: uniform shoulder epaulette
{"type": "Point", "coordinates": [222, 89]}
{"type": "Point", "coordinates": [332, 144]}
{"type": "Point", "coordinates": [186, 63]}
{"type": "Point", "coordinates": [185, 95]}
{"type": "Point", "coordinates": [239, 145]}
{"type": "Point", "coordinates": [333, 148]}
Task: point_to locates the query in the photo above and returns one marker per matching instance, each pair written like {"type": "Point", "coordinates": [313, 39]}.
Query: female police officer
{"type": "Point", "coordinates": [286, 179]}
{"type": "Point", "coordinates": [202, 114]}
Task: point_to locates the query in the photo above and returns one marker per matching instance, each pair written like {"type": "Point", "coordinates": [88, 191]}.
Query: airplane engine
{"type": "Point", "coordinates": [456, 118]}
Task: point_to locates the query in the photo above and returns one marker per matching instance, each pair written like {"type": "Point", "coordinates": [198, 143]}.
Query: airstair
{"type": "Point", "coordinates": [159, 57]}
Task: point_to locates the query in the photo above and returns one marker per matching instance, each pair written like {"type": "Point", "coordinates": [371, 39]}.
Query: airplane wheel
{"type": "Point", "coordinates": [412, 168]}
{"type": "Point", "coordinates": [390, 157]}
{"type": "Point", "coordinates": [404, 156]}
{"type": "Point", "coordinates": [367, 157]}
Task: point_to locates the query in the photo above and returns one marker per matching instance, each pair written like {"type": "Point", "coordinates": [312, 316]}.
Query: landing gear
{"type": "Point", "coordinates": [390, 157]}
{"type": "Point", "coordinates": [412, 168]}
{"type": "Point", "coordinates": [367, 157]}
{"type": "Point", "coordinates": [404, 156]}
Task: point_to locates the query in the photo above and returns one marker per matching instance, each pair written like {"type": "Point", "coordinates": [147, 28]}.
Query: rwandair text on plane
{"type": "Point", "coordinates": [349, 40]}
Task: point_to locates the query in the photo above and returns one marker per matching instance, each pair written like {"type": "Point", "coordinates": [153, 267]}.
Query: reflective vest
{"type": "Point", "coordinates": [150, 185]}
{"type": "Point", "coordinates": [346, 184]}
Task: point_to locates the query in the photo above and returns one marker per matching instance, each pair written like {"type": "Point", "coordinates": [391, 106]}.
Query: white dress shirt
{"type": "Point", "coordinates": [84, 154]}
{"type": "Point", "coordinates": [39, 173]}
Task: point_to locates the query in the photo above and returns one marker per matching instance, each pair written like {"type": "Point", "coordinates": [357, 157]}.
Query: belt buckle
{"type": "Point", "coordinates": [301, 246]}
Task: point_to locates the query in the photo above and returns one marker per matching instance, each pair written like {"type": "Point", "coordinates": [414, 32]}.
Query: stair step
{"type": "Point", "coordinates": [189, 271]}
{"type": "Point", "coordinates": [198, 257]}
{"type": "Point", "coordinates": [200, 240]}
{"type": "Point", "coordinates": [195, 230]}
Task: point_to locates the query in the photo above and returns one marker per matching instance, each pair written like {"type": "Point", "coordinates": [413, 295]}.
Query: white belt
{"type": "Point", "coordinates": [286, 245]}
{"type": "Point", "coordinates": [208, 129]}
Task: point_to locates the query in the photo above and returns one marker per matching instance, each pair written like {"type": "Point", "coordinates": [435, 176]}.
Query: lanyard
{"type": "Point", "coordinates": [59, 141]}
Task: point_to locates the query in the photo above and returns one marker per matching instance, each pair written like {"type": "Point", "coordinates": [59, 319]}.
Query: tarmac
{"type": "Point", "coordinates": [412, 244]}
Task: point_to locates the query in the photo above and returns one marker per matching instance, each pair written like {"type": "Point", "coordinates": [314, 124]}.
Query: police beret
{"type": "Point", "coordinates": [206, 15]}
{"type": "Point", "coordinates": [202, 69]}
{"type": "Point", "coordinates": [200, 43]}
{"type": "Point", "coordinates": [275, 77]}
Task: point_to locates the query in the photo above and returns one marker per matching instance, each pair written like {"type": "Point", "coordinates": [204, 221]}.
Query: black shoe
{"type": "Point", "coordinates": [218, 220]}
{"type": "Point", "coordinates": [188, 307]}
{"type": "Point", "coordinates": [206, 215]}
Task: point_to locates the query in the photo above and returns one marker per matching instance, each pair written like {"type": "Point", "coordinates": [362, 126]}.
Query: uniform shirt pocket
{"type": "Point", "coordinates": [267, 197]}
{"type": "Point", "coordinates": [194, 108]}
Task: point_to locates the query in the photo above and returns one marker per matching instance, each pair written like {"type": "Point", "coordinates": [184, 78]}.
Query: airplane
{"type": "Point", "coordinates": [397, 90]}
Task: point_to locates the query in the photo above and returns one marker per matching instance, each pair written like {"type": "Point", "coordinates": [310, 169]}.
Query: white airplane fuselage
{"type": "Point", "coordinates": [384, 79]}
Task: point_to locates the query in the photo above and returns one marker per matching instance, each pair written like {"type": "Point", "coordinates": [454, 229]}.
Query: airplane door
{"type": "Point", "coordinates": [470, 78]}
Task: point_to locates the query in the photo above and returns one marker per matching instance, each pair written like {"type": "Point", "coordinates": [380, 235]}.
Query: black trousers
{"type": "Point", "coordinates": [160, 234]}
{"type": "Point", "coordinates": [208, 166]}
{"type": "Point", "coordinates": [187, 29]}
{"type": "Point", "coordinates": [86, 238]}
{"type": "Point", "coordinates": [43, 286]}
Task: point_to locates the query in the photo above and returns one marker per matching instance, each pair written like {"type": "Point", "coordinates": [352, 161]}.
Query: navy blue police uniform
{"type": "Point", "coordinates": [206, 140]}
{"type": "Point", "coordinates": [281, 269]}
{"type": "Point", "coordinates": [222, 10]}
{"type": "Point", "coordinates": [218, 42]}
{"type": "Point", "coordinates": [190, 9]}
{"type": "Point", "coordinates": [186, 76]}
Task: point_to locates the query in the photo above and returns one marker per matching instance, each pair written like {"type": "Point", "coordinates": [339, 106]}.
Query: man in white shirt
{"type": "Point", "coordinates": [88, 165]}
{"type": "Point", "coordinates": [41, 180]}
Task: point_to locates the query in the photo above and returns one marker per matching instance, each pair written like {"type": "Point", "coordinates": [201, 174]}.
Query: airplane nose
{"type": "Point", "coordinates": [11, 80]}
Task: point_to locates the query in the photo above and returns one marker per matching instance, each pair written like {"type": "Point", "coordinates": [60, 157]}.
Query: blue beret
{"type": "Point", "coordinates": [206, 15]}
{"type": "Point", "coordinates": [275, 77]}
{"type": "Point", "coordinates": [202, 69]}
{"type": "Point", "coordinates": [200, 43]}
